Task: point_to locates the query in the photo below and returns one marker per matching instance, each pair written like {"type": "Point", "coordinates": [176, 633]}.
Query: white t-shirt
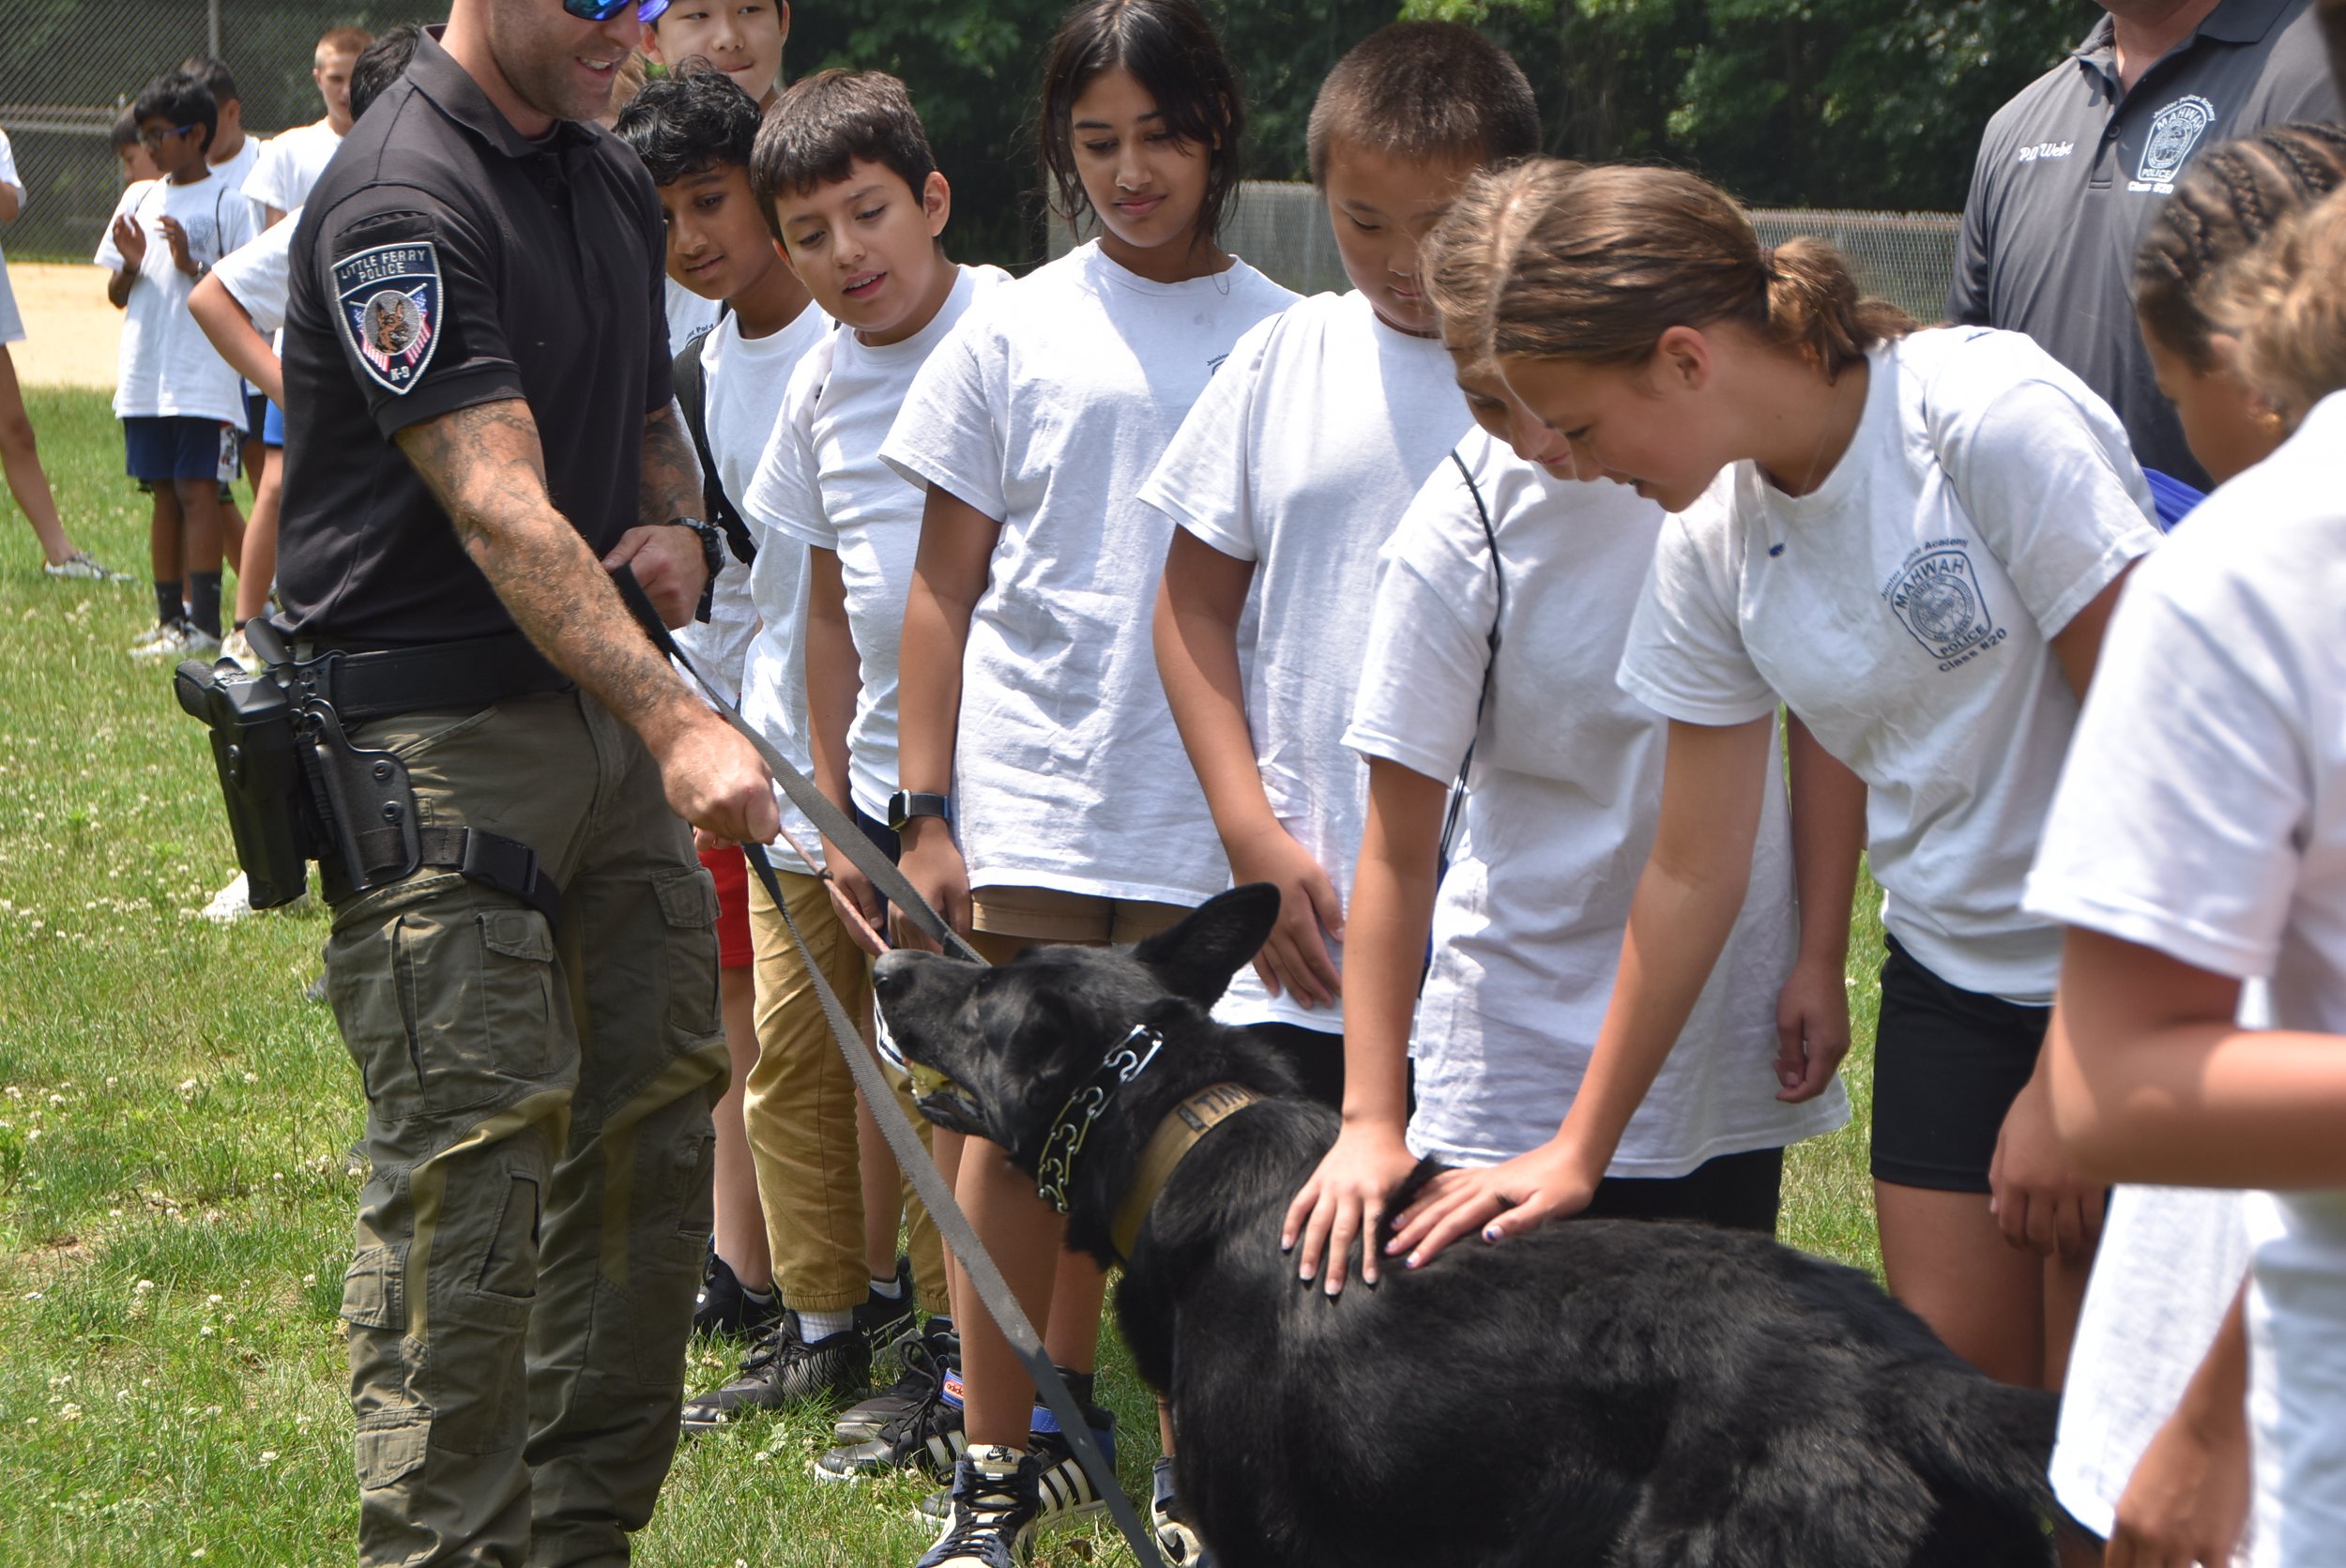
{"type": "Point", "coordinates": [1047, 408]}
{"type": "Point", "coordinates": [754, 641]}
{"type": "Point", "coordinates": [1300, 456]}
{"type": "Point", "coordinates": [1562, 806]}
{"type": "Point", "coordinates": [1904, 610]}
{"type": "Point", "coordinates": [823, 483]}
{"type": "Point", "coordinates": [240, 168]}
{"type": "Point", "coordinates": [168, 368]}
{"type": "Point", "coordinates": [289, 164]}
{"type": "Point", "coordinates": [2203, 812]}
{"type": "Point", "coordinates": [257, 275]}
{"type": "Point", "coordinates": [689, 316]}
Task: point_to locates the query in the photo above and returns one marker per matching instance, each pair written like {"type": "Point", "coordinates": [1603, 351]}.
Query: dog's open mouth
{"type": "Point", "coordinates": [943, 1101]}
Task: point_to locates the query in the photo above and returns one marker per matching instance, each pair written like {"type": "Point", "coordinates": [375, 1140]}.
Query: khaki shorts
{"type": "Point", "coordinates": [1049, 915]}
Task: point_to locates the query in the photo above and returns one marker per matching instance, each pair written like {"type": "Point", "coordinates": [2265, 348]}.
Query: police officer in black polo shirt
{"type": "Point", "coordinates": [2072, 169]}
{"type": "Point", "coordinates": [523, 961]}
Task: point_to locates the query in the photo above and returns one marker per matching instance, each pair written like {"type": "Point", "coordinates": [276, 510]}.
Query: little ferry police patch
{"type": "Point", "coordinates": [391, 305]}
{"type": "Point", "coordinates": [1937, 597]}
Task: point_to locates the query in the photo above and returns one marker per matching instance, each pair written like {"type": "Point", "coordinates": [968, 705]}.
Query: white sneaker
{"type": "Point", "coordinates": [180, 640]}
{"type": "Point", "coordinates": [196, 644]}
{"type": "Point", "coordinates": [80, 567]}
{"type": "Point", "coordinates": [156, 640]}
{"type": "Point", "coordinates": [231, 903]}
{"type": "Point", "coordinates": [235, 646]}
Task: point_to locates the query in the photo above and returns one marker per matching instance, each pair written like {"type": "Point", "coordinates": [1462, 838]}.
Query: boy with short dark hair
{"type": "Point", "coordinates": [1286, 479]}
{"type": "Point", "coordinates": [232, 153]}
{"type": "Point", "coordinates": [130, 152]}
{"type": "Point", "coordinates": [741, 38]}
{"type": "Point", "coordinates": [180, 404]}
{"type": "Point", "coordinates": [850, 187]}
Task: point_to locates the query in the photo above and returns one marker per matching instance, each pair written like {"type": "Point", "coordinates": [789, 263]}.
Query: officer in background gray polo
{"type": "Point", "coordinates": [2072, 169]}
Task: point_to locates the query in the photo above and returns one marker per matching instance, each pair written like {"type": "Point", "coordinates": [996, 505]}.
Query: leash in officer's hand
{"type": "Point", "coordinates": [912, 1158]}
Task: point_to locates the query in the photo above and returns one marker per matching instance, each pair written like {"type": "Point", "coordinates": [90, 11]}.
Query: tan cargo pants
{"type": "Point", "coordinates": [538, 1119]}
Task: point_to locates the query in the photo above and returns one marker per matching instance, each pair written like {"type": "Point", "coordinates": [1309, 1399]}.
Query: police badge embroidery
{"type": "Point", "coordinates": [390, 308]}
{"type": "Point", "coordinates": [1938, 599]}
{"type": "Point", "coordinates": [2175, 131]}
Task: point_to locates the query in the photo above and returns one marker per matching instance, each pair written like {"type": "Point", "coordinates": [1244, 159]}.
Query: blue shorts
{"type": "Point", "coordinates": [273, 427]}
{"type": "Point", "coordinates": [159, 448]}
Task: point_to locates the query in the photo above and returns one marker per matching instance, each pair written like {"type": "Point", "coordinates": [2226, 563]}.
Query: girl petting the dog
{"type": "Point", "coordinates": [2198, 841]}
{"type": "Point", "coordinates": [1503, 602]}
{"type": "Point", "coordinates": [1912, 541]}
{"type": "Point", "coordinates": [1028, 692]}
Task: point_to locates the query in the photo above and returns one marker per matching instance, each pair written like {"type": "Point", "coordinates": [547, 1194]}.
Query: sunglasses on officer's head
{"type": "Point", "coordinates": [604, 10]}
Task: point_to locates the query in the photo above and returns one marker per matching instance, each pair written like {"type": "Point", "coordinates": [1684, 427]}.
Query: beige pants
{"type": "Point", "coordinates": [799, 1111]}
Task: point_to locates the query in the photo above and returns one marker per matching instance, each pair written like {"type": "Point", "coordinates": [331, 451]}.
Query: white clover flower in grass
{"type": "Point", "coordinates": [70, 1412]}
{"type": "Point", "coordinates": [143, 1286]}
{"type": "Point", "coordinates": [268, 1456]}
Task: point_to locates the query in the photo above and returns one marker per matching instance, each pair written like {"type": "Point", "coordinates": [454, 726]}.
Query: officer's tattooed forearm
{"type": "Point", "coordinates": [485, 466]}
{"type": "Point", "coordinates": [671, 472]}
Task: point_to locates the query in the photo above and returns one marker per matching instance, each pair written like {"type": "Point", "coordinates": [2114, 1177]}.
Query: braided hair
{"type": "Point", "coordinates": [2222, 208]}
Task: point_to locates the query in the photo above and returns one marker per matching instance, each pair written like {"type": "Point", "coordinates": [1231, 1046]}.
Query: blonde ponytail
{"type": "Point", "coordinates": [1614, 257]}
{"type": "Point", "coordinates": [1462, 261]}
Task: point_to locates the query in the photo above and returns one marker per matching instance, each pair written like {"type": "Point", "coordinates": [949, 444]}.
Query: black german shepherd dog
{"type": "Point", "coordinates": [1600, 1392]}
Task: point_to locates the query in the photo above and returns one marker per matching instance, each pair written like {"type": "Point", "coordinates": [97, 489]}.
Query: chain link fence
{"type": "Point", "coordinates": [1907, 258]}
{"type": "Point", "coordinates": [68, 67]}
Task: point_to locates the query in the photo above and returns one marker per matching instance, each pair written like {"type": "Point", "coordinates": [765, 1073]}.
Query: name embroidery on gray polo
{"type": "Point", "coordinates": [2175, 131]}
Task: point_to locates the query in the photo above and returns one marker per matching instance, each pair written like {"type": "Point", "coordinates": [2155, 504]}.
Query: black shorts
{"type": "Point", "coordinates": [1947, 1065]}
{"type": "Point", "coordinates": [1316, 1055]}
{"type": "Point", "coordinates": [1735, 1191]}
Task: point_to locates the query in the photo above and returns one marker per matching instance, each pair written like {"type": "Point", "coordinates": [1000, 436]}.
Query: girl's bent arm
{"type": "Point", "coordinates": [1828, 838]}
{"type": "Point", "coordinates": [1392, 912]}
{"type": "Point", "coordinates": [1687, 897]}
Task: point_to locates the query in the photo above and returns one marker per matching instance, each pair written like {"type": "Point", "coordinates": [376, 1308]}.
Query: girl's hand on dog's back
{"type": "Point", "coordinates": [1344, 1203]}
{"type": "Point", "coordinates": [1501, 1200]}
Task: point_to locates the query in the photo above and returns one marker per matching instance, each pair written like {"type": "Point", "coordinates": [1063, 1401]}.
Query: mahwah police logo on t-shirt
{"type": "Point", "coordinates": [1937, 597]}
{"type": "Point", "coordinates": [391, 305]}
{"type": "Point", "coordinates": [2175, 131]}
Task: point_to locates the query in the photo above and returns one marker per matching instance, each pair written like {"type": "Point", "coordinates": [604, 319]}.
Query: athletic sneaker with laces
{"type": "Point", "coordinates": [926, 1359]}
{"type": "Point", "coordinates": [994, 1508]}
{"type": "Point", "coordinates": [163, 633]}
{"type": "Point", "coordinates": [1064, 1491]}
{"type": "Point", "coordinates": [177, 641]}
{"type": "Point", "coordinates": [926, 1435]}
{"type": "Point", "coordinates": [724, 1306]}
{"type": "Point", "coordinates": [783, 1368]}
{"type": "Point", "coordinates": [889, 1323]}
{"type": "Point", "coordinates": [83, 568]}
{"type": "Point", "coordinates": [1176, 1541]}
{"type": "Point", "coordinates": [237, 646]}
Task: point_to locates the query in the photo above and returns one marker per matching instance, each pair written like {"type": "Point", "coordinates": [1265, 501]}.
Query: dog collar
{"type": "Point", "coordinates": [1175, 1136]}
{"type": "Point", "coordinates": [1055, 1173]}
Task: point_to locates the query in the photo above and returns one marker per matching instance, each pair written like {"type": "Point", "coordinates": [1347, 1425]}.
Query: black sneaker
{"type": "Point", "coordinates": [723, 1306]}
{"type": "Point", "coordinates": [926, 1359]}
{"type": "Point", "coordinates": [1176, 1541]}
{"type": "Point", "coordinates": [891, 1323]}
{"type": "Point", "coordinates": [784, 1369]}
{"type": "Point", "coordinates": [993, 1510]}
{"type": "Point", "coordinates": [925, 1436]}
{"type": "Point", "coordinates": [1064, 1491]}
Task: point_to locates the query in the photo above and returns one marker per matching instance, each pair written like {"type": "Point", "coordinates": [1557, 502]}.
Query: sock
{"type": "Point", "coordinates": [888, 1289]}
{"type": "Point", "coordinates": [822, 1325]}
{"type": "Point", "coordinates": [938, 1327]}
{"type": "Point", "coordinates": [204, 601]}
{"type": "Point", "coordinates": [166, 600]}
{"type": "Point", "coordinates": [762, 1298]}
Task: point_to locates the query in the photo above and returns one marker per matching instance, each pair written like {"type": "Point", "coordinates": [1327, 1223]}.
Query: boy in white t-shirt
{"type": "Point", "coordinates": [2198, 841]}
{"type": "Point", "coordinates": [180, 404]}
{"type": "Point", "coordinates": [234, 156]}
{"type": "Point", "coordinates": [1284, 482]}
{"type": "Point", "coordinates": [291, 161]}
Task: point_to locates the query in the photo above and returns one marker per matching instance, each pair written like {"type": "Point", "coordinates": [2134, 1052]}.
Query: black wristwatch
{"type": "Point", "coordinates": [904, 806]}
{"type": "Point", "coordinates": [713, 557]}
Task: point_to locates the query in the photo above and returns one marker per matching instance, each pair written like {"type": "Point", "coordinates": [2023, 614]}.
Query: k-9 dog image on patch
{"type": "Point", "coordinates": [1600, 1392]}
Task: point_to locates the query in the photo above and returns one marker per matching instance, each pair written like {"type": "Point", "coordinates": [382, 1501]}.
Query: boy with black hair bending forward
{"type": "Point", "coordinates": [1286, 479]}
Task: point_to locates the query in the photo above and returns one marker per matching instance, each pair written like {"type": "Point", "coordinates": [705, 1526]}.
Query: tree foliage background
{"type": "Point", "coordinates": [1854, 103]}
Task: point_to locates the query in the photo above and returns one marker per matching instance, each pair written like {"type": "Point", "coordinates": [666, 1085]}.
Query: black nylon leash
{"type": "Point", "coordinates": [903, 1141]}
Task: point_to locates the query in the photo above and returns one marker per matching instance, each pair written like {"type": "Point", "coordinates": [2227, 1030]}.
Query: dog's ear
{"type": "Point", "coordinates": [1196, 958]}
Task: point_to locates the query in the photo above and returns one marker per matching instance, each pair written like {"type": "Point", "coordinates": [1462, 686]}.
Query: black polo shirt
{"type": "Point", "coordinates": [444, 261]}
{"type": "Point", "coordinates": [2071, 173]}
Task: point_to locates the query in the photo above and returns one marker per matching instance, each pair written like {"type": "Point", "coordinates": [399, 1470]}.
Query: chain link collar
{"type": "Point", "coordinates": [1130, 1056]}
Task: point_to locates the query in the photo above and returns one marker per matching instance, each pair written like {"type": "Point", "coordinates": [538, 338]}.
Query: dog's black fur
{"type": "Point", "coordinates": [1599, 1393]}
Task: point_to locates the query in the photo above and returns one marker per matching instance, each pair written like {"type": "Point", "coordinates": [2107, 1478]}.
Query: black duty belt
{"type": "Point", "coordinates": [376, 683]}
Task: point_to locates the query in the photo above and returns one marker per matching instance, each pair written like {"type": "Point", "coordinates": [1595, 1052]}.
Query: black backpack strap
{"type": "Point", "coordinates": [691, 380]}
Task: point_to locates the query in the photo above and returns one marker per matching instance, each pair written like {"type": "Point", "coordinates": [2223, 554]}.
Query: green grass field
{"type": "Point", "coordinates": [175, 1126]}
